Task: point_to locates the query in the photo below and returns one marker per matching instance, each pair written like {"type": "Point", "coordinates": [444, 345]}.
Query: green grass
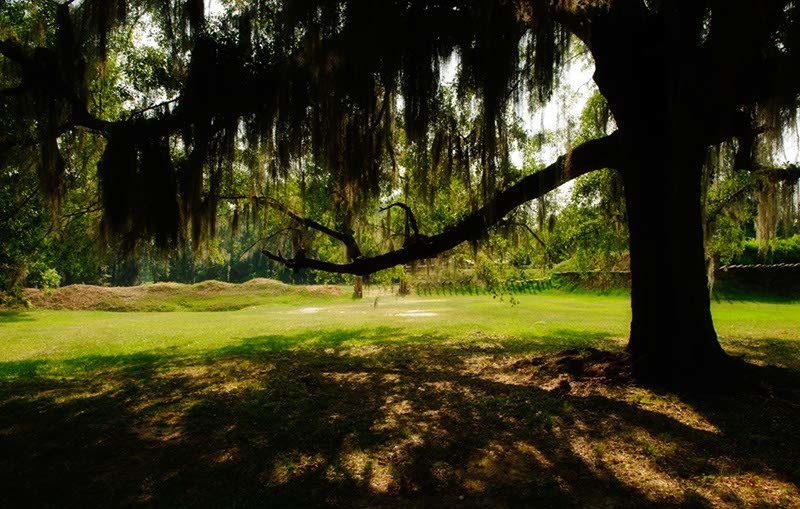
{"type": "Point", "coordinates": [548, 321]}
{"type": "Point", "coordinates": [327, 401]}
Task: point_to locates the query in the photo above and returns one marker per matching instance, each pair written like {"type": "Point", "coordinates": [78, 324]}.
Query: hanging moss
{"type": "Point", "coordinates": [117, 178]}
{"type": "Point", "coordinates": [51, 173]}
{"type": "Point", "coordinates": [139, 188]}
{"type": "Point", "coordinates": [766, 219]}
{"type": "Point", "coordinates": [342, 83]}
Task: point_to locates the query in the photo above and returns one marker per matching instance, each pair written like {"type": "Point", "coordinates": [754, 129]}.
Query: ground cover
{"type": "Point", "coordinates": [456, 400]}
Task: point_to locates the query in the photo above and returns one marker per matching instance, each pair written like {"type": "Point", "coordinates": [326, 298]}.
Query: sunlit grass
{"type": "Point", "coordinates": [548, 321]}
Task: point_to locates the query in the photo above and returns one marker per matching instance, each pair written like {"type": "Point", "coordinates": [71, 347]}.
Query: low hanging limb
{"type": "Point", "coordinates": [592, 155]}
{"type": "Point", "coordinates": [345, 238]}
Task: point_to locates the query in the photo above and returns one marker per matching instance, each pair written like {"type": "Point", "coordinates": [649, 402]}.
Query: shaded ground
{"type": "Point", "coordinates": [435, 421]}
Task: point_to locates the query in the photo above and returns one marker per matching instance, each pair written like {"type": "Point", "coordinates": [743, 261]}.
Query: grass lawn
{"type": "Point", "coordinates": [309, 398]}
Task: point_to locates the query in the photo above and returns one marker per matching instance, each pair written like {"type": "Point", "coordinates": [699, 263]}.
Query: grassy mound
{"type": "Point", "coordinates": [205, 296]}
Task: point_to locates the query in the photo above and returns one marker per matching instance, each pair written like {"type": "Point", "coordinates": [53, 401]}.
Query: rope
{"type": "Point", "coordinates": [763, 266]}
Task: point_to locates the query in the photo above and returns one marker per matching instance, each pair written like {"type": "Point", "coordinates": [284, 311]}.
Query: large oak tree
{"type": "Point", "coordinates": [270, 83]}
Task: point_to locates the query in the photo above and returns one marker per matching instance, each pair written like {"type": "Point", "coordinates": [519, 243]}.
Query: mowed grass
{"type": "Point", "coordinates": [547, 321]}
{"type": "Point", "coordinates": [553, 321]}
{"type": "Point", "coordinates": [314, 399]}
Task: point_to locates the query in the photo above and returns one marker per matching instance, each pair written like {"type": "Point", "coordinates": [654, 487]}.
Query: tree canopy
{"type": "Point", "coordinates": [337, 87]}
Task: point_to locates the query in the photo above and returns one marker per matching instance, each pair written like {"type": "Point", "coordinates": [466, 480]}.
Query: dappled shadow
{"type": "Point", "coordinates": [12, 316]}
{"type": "Point", "coordinates": [777, 352]}
{"type": "Point", "coordinates": [317, 419]}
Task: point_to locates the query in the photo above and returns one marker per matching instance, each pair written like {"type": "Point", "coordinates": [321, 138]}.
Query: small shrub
{"type": "Point", "coordinates": [13, 297]}
{"type": "Point", "coordinates": [50, 279]}
{"type": "Point", "coordinates": [43, 278]}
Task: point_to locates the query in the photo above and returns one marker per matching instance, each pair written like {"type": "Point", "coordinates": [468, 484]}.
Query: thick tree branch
{"type": "Point", "coordinates": [790, 173]}
{"type": "Point", "coordinates": [592, 155]}
{"type": "Point", "coordinates": [40, 70]}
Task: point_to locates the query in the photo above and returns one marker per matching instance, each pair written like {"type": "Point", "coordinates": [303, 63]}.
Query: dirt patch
{"type": "Point", "coordinates": [268, 285]}
{"type": "Point", "coordinates": [324, 290]}
{"type": "Point", "coordinates": [308, 311]}
{"type": "Point", "coordinates": [162, 287]}
{"type": "Point", "coordinates": [212, 286]}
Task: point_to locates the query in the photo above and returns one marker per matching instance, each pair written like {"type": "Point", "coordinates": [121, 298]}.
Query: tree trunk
{"type": "Point", "coordinates": [358, 288]}
{"type": "Point", "coordinates": [652, 91]}
{"type": "Point", "coordinates": [672, 334]}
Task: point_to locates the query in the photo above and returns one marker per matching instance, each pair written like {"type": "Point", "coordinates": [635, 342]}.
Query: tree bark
{"type": "Point", "coordinates": [650, 76]}
{"type": "Point", "coordinates": [672, 334]}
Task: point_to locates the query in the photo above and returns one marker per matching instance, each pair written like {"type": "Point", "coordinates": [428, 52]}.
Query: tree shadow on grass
{"type": "Point", "coordinates": [783, 353]}
{"type": "Point", "coordinates": [371, 417]}
{"type": "Point", "coordinates": [13, 316]}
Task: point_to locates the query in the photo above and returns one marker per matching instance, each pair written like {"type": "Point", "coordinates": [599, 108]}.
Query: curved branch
{"type": "Point", "coordinates": [345, 238]}
{"type": "Point", "coordinates": [409, 215]}
{"type": "Point", "coordinates": [592, 155]}
{"type": "Point", "coordinates": [530, 230]}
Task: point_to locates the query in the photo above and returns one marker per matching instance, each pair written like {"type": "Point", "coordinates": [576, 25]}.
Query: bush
{"type": "Point", "coordinates": [780, 251]}
{"type": "Point", "coordinates": [44, 278]}
{"type": "Point", "coordinates": [50, 279]}
{"type": "Point", "coordinates": [12, 298]}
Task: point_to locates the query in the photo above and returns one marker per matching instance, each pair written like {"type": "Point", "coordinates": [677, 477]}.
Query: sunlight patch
{"type": "Point", "coordinates": [294, 465]}
{"type": "Point", "coordinates": [416, 312]}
